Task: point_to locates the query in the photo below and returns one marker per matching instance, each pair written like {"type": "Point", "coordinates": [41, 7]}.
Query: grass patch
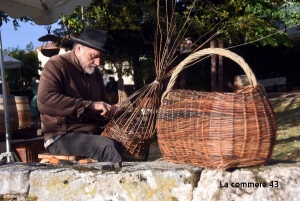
{"type": "Point", "coordinates": [287, 112]}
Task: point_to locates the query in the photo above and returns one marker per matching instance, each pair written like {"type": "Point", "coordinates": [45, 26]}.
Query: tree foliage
{"type": "Point", "coordinates": [131, 24]}
{"type": "Point", "coordinates": [5, 18]}
{"type": "Point", "coordinates": [20, 79]}
{"type": "Point", "coordinates": [247, 21]}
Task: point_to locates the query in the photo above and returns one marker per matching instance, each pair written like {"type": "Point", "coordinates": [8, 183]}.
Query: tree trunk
{"type": "Point", "coordinates": [213, 67]}
{"type": "Point", "coordinates": [137, 74]}
{"type": "Point", "coordinates": [220, 72]}
{"type": "Point", "coordinates": [122, 95]}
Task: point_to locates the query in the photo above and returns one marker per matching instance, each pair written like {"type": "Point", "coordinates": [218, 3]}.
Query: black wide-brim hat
{"type": "Point", "coordinates": [93, 38]}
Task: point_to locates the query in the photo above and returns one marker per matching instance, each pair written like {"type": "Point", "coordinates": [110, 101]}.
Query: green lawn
{"type": "Point", "coordinates": [287, 111]}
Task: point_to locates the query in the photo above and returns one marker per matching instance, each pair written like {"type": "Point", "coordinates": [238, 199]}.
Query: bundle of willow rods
{"type": "Point", "coordinates": [217, 130]}
{"type": "Point", "coordinates": [134, 124]}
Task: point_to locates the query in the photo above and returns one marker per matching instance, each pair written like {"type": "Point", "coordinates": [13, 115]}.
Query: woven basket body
{"type": "Point", "coordinates": [28, 151]}
{"type": "Point", "coordinates": [217, 130]}
{"type": "Point", "coordinates": [132, 147]}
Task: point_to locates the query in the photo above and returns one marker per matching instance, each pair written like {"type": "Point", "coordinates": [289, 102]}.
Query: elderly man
{"type": "Point", "coordinates": [71, 97]}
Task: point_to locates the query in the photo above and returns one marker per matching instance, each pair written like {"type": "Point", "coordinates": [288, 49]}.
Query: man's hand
{"type": "Point", "coordinates": [106, 110]}
{"type": "Point", "coordinates": [112, 112]}
{"type": "Point", "coordinates": [101, 107]}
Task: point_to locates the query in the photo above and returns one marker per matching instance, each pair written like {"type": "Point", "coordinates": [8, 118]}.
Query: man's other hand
{"type": "Point", "coordinates": [106, 110]}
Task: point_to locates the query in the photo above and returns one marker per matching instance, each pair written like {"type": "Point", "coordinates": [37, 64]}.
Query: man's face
{"type": "Point", "coordinates": [88, 58]}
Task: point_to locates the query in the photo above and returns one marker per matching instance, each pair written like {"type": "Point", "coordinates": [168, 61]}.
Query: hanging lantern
{"type": "Point", "coordinates": [48, 49]}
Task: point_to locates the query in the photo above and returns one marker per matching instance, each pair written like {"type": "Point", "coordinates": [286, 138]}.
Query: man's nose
{"type": "Point", "coordinates": [97, 61]}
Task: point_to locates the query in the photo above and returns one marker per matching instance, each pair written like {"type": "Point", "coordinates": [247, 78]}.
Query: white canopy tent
{"type": "Point", "coordinates": [42, 12]}
{"type": "Point", "coordinates": [11, 63]}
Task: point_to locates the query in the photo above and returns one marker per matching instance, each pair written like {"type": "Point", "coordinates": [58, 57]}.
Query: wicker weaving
{"type": "Point", "coordinates": [134, 124]}
{"type": "Point", "coordinates": [216, 130]}
{"type": "Point", "coordinates": [132, 127]}
{"type": "Point", "coordinates": [28, 150]}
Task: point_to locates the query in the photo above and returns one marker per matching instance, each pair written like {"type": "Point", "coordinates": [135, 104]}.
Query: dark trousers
{"type": "Point", "coordinates": [91, 146]}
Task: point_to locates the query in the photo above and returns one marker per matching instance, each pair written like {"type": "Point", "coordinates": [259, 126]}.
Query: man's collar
{"type": "Point", "coordinates": [75, 60]}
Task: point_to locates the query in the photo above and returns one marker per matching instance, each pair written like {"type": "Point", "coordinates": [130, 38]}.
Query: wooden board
{"type": "Point", "coordinates": [60, 157]}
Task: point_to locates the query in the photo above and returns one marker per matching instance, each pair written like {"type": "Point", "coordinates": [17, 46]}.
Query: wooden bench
{"type": "Point", "coordinates": [274, 84]}
{"type": "Point", "coordinates": [45, 157]}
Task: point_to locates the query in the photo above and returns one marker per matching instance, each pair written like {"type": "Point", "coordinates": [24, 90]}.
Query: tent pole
{"type": "Point", "coordinates": [9, 155]}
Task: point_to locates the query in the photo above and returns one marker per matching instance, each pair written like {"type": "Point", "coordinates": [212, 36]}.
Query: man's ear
{"type": "Point", "coordinates": [76, 48]}
{"type": "Point", "coordinates": [79, 48]}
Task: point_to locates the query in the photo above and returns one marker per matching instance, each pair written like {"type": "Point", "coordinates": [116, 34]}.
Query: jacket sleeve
{"type": "Point", "coordinates": [50, 97]}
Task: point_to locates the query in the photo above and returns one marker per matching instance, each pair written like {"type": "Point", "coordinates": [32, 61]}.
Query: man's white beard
{"type": "Point", "coordinates": [89, 71]}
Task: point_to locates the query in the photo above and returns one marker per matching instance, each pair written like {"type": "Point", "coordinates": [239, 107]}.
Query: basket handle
{"type": "Point", "coordinates": [220, 51]}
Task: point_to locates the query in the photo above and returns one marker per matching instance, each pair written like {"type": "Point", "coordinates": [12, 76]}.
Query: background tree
{"type": "Point", "coordinates": [132, 25]}
{"type": "Point", "coordinates": [5, 19]}
{"type": "Point", "coordinates": [28, 57]}
{"type": "Point", "coordinates": [130, 29]}
{"type": "Point", "coordinates": [246, 23]}
{"type": "Point", "coordinates": [20, 79]}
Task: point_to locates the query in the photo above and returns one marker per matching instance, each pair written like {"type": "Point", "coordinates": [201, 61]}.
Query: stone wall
{"type": "Point", "coordinates": [143, 181]}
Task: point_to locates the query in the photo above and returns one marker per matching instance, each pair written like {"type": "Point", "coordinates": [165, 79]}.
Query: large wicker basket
{"type": "Point", "coordinates": [216, 130]}
{"type": "Point", "coordinates": [29, 150]}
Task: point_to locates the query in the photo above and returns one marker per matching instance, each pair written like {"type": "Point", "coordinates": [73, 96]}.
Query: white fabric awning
{"type": "Point", "coordinates": [11, 63]}
{"type": "Point", "coordinates": [42, 12]}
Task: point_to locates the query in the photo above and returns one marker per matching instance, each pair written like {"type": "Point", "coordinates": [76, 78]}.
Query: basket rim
{"type": "Point", "coordinates": [192, 58]}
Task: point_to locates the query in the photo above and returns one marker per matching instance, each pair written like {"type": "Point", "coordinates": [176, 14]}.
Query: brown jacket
{"type": "Point", "coordinates": [64, 94]}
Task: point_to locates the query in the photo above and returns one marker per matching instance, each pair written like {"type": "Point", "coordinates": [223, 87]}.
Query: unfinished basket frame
{"type": "Point", "coordinates": [216, 130]}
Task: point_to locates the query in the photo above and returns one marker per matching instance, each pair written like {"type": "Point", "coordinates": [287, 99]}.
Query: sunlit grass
{"type": "Point", "coordinates": [287, 112]}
